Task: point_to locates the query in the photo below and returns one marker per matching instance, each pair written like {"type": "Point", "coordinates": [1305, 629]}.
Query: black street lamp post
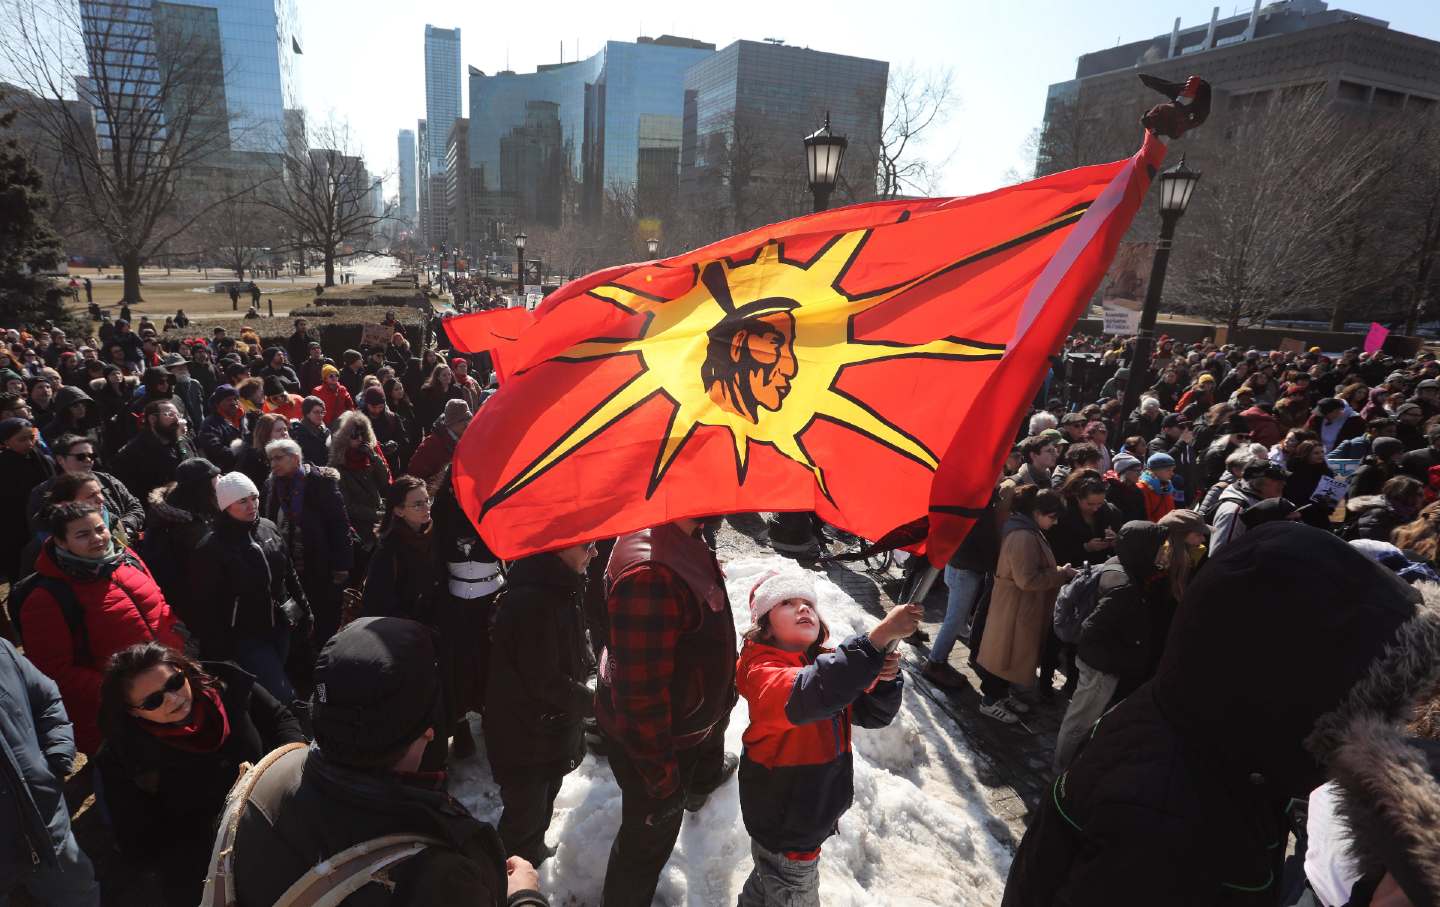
{"type": "Point", "coordinates": [823, 155]}
{"type": "Point", "coordinates": [520, 264]}
{"type": "Point", "coordinates": [799, 533]}
{"type": "Point", "coordinates": [1176, 186]}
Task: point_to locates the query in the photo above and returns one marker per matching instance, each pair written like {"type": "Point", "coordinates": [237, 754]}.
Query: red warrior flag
{"type": "Point", "coordinates": [824, 363]}
{"type": "Point", "coordinates": [492, 331]}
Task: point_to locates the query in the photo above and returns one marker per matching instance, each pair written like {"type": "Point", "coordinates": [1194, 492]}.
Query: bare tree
{"type": "Point", "coordinates": [915, 103]}
{"type": "Point", "coordinates": [1078, 132]}
{"type": "Point", "coordinates": [323, 197]}
{"type": "Point", "coordinates": [1281, 184]}
{"type": "Point", "coordinates": [1414, 216]}
{"type": "Point", "coordinates": [237, 233]}
{"type": "Point", "coordinates": [573, 248]}
{"type": "Point", "coordinates": [153, 109]}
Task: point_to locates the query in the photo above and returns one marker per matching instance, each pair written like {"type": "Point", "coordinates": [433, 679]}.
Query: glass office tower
{"type": "Point", "coordinates": [748, 107]}
{"type": "Point", "coordinates": [610, 121]}
{"type": "Point", "coordinates": [442, 109]}
{"type": "Point", "coordinates": [406, 143]}
{"type": "Point", "coordinates": [442, 90]}
{"type": "Point", "coordinates": [256, 43]}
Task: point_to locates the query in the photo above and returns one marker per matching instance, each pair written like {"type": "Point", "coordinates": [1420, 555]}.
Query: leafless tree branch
{"type": "Point", "coordinates": [151, 113]}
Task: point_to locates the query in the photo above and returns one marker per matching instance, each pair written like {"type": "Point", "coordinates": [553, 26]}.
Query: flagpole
{"type": "Point", "coordinates": [918, 592]}
{"type": "Point", "coordinates": [921, 588]}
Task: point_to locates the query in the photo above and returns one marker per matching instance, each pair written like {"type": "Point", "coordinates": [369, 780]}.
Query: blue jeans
{"type": "Point", "coordinates": [264, 656]}
{"type": "Point", "coordinates": [70, 884]}
{"type": "Point", "coordinates": [964, 587]}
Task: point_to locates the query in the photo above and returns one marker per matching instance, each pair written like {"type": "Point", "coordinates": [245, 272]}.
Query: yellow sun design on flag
{"type": "Point", "coordinates": [756, 348]}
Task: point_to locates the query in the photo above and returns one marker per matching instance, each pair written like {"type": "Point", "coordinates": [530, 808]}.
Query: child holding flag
{"type": "Point", "coordinates": [796, 773]}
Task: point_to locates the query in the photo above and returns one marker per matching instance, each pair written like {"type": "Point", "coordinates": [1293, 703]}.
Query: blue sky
{"type": "Point", "coordinates": [364, 63]}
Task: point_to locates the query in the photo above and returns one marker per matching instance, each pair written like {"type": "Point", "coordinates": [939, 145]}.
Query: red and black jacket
{"type": "Point", "coordinates": [796, 773]}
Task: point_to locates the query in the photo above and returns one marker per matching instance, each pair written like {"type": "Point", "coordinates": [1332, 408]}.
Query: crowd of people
{"type": "Point", "coordinates": [1109, 527]}
{"type": "Point", "coordinates": [223, 552]}
{"type": "Point", "coordinates": [194, 525]}
{"type": "Point", "coordinates": [471, 293]}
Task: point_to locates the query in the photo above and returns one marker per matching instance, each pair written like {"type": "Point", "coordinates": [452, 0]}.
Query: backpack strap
{"type": "Point", "coordinates": [220, 877]}
{"type": "Point", "coordinates": [74, 617]}
{"type": "Point", "coordinates": [70, 610]}
{"type": "Point", "coordinates": [332, 880]}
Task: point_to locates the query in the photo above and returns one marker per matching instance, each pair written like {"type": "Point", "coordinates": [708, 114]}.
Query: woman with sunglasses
{"type": "Point", "coordinates": [86, 488]}
{"type": "Point", "coordinates": [176, 733]}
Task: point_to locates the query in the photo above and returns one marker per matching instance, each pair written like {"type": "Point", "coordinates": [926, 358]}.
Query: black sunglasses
{"type": "Point", "coordinates": [156, 699]}
{"type": "Point", "coordinates": [87, 457]}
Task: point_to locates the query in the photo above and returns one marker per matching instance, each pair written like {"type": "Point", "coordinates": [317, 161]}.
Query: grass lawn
{"type": "Point", "coordinates": [163, 295]}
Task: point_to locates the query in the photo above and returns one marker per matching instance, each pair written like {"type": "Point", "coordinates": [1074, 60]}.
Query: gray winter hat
{"type": "Point", "coordinates": [1123, 463]}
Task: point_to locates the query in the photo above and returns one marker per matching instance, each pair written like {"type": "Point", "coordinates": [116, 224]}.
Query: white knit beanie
{"type": "Point", "coordinates": [777, 586]}
{"type": "Point", "coordinates": [232, 487]}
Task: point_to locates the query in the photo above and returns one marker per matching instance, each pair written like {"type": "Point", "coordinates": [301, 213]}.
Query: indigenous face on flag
{"type": "Point", "coordinates": [751, 356]}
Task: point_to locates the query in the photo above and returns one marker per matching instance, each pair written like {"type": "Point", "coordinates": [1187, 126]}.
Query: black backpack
{"type": "Point", "coordinates": [70, 609]}
{"type": "Point", "coordinates": [1077, 598]}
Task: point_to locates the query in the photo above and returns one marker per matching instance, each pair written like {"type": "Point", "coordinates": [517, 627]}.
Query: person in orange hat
{"type": "Point", "coordinates": [333, 394]}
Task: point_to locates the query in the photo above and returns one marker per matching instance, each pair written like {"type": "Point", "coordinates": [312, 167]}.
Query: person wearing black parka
{"type": "Point", "coordinates": [176, 734]}
{"type": "Point", "coordinates": [536, 697]}
{"type": "Point", "coordinates": [1179, 794]}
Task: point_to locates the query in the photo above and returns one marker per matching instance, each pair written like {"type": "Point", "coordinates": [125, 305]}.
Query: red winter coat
{"type": "Point", "coordinates": [1262, 426]}
{"type": "Point", "coordinates": [291, 410]}
{"type": "Point", "coordinates": [796, 771]}
{"type": "Point", "coordinates": [123, 606]}
{"type": "Point", "coordinates": [338, 402]}
{"type": "Point", "coordinates": [437, 450]}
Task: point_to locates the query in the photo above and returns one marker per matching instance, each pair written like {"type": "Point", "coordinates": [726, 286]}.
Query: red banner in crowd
{"type": "Point", "coordinates": [824, 363]}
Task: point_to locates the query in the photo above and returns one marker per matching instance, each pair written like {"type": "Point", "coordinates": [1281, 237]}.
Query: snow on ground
{"type": "Point", "coordinates": [369, 268]}
{"type": "Point", "coordinates": [918, 832]}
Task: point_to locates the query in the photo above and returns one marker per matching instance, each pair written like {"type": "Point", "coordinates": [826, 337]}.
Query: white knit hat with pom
{"type": "Point", "coordinates": [777, 586]}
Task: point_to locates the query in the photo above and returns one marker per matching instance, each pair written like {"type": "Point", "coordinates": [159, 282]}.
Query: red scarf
{"type": "Point", "coordinates": [361, 458]}
{"type": "Point", "coordinates": [205, 731]}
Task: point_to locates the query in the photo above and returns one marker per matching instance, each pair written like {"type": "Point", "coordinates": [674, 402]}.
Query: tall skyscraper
{"type": "Point", "coordinates": [457, 185]}
{"type": "Point", "coordinates": [254, 45]}
{"type": "Point", "coordinates": [442, 109]}
{"type": "Point", "coordinates": [406, 210]}
{"type": "Point", "coordinates": [546, 145]}
{"type": "Point", "coordinates": [422, 186]}
{"type": "Point", "coordinates": [747, 108]}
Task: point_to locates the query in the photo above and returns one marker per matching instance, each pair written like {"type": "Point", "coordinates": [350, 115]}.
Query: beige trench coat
{"type": "Point", "coordinates": [1021, 607]}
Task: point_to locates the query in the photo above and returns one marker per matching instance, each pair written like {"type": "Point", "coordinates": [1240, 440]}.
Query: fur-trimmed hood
{"type": "Point", "coordinates": [325, 472]}
{"type": "Point", "coordinates": [1366, 502]}
{"type": "Point", "coordinates": [162, 512]}
{"type": "Point", "coordinates": [1389, 782]}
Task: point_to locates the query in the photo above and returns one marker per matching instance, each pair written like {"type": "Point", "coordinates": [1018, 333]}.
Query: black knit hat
{"type": "Point", "coordinates": [1266, 511]}
{"type": "Point", "coordinates": [9, 428]}
{"type": "Point", "coordinates": [195, 470]}
{"type": "Point", "coordinates": [377, 688]}
{"type": "Point", "coordinates": [274, 387]}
